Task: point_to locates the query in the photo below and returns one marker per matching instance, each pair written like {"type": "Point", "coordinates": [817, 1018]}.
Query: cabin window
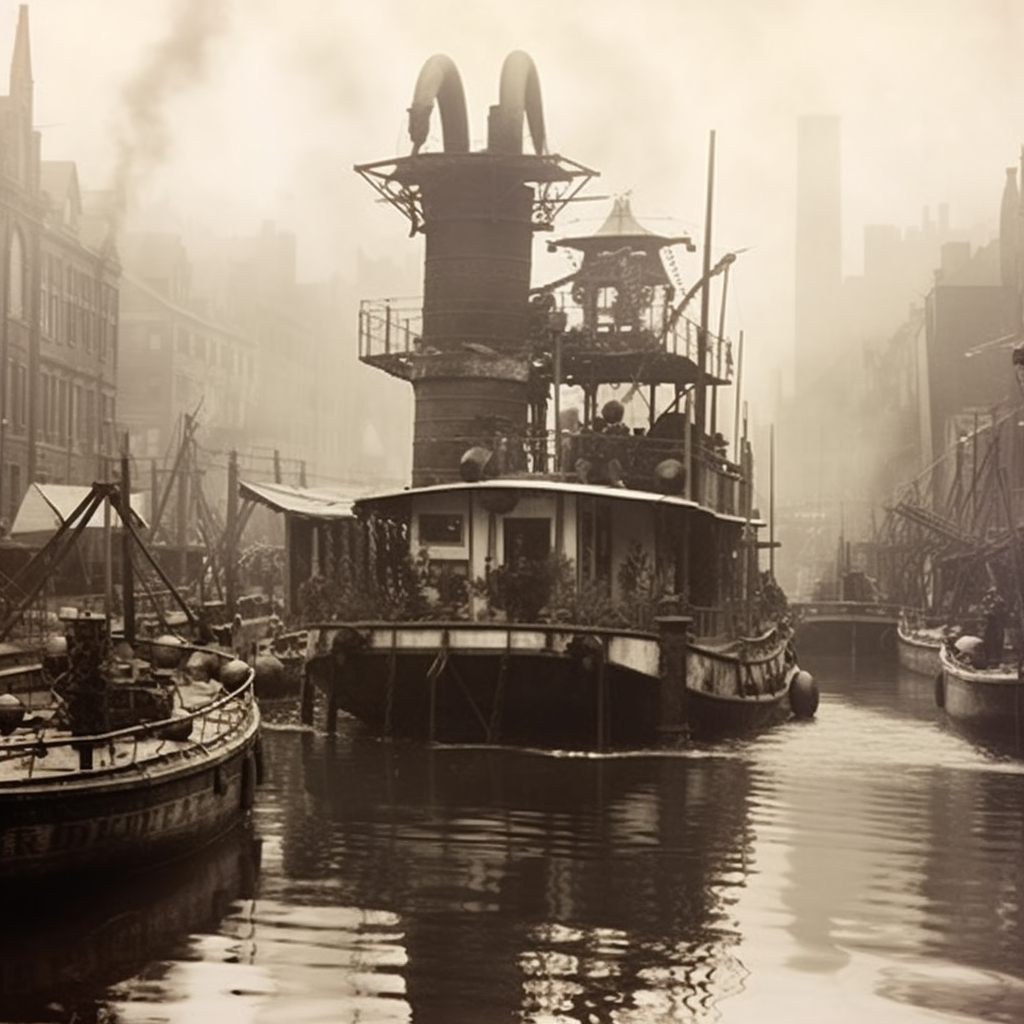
{"type": "Point", "coordinates": [527, 538]}
{"type": "Point", "coordinates": [441, 529]}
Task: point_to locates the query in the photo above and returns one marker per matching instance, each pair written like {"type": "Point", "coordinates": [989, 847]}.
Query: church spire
{"type": "Point", "coordinates": [21, 62]}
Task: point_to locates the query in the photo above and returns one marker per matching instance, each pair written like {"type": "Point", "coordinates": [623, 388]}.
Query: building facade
{"type": "Point", "coordinates": [58, 311]}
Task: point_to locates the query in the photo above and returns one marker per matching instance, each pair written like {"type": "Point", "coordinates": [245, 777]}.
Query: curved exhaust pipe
{"type": "Point", "coordinates": [518, 94]}
{"type": "Point", "coordinates": [439, 81]}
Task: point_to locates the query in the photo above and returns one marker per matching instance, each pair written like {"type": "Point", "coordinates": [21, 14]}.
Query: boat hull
{"type": "Point", "coordinates": [846, 627]}
{"type": "Point", "coordinates": [733, 692]}
{"type": "Point", "coordinates": [540, 685]}
{"type": "Point", "coordinates": [988, 703]}
{"type": "Point", "coordinates": [918, 654]}
{"type": "Point", "coordinates": [130, 815]}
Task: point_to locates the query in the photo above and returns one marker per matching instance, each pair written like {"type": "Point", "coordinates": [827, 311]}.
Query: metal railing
{"type": "Point", "coordinates": [389, 327]}
{"type": "Point", "coordinates": [626, 460]}
{"type": "Point", "coordinates": [225, 716]}
{"type": "Point", "coordinates": [394, 328]}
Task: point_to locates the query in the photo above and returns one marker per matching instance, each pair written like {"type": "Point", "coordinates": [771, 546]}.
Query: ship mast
{"type": "Point", "coordinates": [700, 388]}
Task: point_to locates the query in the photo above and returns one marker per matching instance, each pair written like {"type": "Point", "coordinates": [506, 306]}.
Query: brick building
{"type": "Point", "coordinates": [58, 310]}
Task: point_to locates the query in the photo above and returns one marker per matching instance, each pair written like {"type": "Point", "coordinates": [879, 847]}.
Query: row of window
{"type": "Point", "coordinates": [71, 414]}
{"type": "Point", "coordinates": [75, 307]}
{"type": "Point", "coordinates": [212, 352]}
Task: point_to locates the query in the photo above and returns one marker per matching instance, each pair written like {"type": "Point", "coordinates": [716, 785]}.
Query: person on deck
{"type": "Point", "coordinates": [994, 610]}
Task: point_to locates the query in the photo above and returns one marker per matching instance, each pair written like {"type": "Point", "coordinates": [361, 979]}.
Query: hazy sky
{"type": "Point", "coordinates": [235, 111]}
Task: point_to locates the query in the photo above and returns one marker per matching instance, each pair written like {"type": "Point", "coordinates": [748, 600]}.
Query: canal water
{"type": "Point", "coordinates": [864, 866]}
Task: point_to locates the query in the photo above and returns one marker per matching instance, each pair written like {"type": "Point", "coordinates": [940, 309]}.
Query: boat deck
{"type": "Point", "coordinates": [39, 751]}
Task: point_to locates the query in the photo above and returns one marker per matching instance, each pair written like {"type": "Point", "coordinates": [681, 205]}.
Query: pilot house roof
{"type": "Point", "coordinates": [622, 229]}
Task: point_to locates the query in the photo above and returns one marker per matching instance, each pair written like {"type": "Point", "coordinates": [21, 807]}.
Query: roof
{"type": "Point", "coordinates": [46, 506]}
{"type": "Point", "coordinates": [622, 228]}
{"type": "Point", "coordinates": [307, 502]}
{"type": "Point", "coordinates": [564, 486]}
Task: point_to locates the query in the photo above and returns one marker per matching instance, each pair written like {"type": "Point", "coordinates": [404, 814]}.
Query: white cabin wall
{"type": "Point", "coordinates": [473, 549]}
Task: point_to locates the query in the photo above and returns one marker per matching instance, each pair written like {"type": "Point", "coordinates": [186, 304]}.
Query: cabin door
{"type": "Point", "coordinates": [527, 538]}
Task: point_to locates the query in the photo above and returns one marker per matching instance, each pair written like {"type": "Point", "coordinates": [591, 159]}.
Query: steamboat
{"type": "Point", "coordinates": [563, 571]}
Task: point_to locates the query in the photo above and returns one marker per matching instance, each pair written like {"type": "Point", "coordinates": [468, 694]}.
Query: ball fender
{"type": "Point", "coordinates": [803, 694]}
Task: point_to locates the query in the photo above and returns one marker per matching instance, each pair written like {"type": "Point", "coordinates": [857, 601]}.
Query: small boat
{"type": "Point", "coordinates": [126, 753]}
{"type": "Point", "coordinates": [849, 619]}
{"type": "Point", "coordinates": [918, 646]}
{"type": "Point", "coordinates": [988, 701]}
{"type": "Point", "coordinates": [559, 573]}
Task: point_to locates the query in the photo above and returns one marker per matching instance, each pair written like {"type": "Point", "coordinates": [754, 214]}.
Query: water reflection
{"type": "Point", "coordinates": [561, 888]}
{"type": "Point", "coordinates": [64, 951]}
{"type": "Point", "coordinates": [895, 861]}
{"type": "Point", "coordinates": [866, 865]}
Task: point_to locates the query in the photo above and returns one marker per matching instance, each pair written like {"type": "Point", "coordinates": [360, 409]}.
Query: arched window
{"type": "Point", "coordinates": [16, 278]}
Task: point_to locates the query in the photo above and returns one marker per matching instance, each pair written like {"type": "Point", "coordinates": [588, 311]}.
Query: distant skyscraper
{"type": "Point", "coordinates": [818, 274]}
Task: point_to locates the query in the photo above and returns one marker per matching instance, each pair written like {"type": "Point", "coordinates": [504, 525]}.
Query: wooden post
{"type": "Point", "coordinates": [389, 707]}
{"type": "Point", "coordinates": [231, 537]}
{"type": "Point", "coordinates": [557, 395]}
{"type": "Point", "coordinates": [771, 500]}
{"type": "Point", "coordinates": [673, 633]}
{"type": "Point", "coordinates": [332, 710]}
{"type": "Point", "coordinates": [737, 387]}
{"type": "Point", "coordinates": [182, 485]}
{"type": "Point", "coordinates": [689, 491]}
{"type": "Point", "coordinates": [154, 488]}
{"type": "Point", "coordinates": [432, 723]}
{"type": "Point", "coordinates": [718, 346]}
{"type": "Point", "coordinates": [127, 578]}
{"type": "Point", "coordinates": [306, 699]}
{"type": "Point", "coordinates": [108, 561]}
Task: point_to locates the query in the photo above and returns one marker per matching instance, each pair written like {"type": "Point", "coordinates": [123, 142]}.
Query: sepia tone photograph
{"type": "Point", "coordinates": [511, 511]}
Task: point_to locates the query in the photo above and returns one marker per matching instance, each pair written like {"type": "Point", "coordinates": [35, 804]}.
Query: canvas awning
{"type": "Point", "coordinates": [46, 507]}
{"type": "Point", "coordinates": [306, 502]}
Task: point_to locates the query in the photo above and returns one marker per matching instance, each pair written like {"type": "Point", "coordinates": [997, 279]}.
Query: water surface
{"type": "Point", "coordinates": [866, 866]}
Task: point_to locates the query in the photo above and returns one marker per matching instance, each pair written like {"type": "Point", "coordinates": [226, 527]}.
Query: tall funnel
{"type": "Point", "coordinates": [471, 371]}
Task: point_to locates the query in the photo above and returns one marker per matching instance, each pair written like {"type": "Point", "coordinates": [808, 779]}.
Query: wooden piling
{"type": "Point", "coordinates": [674, 633]}
{"type": "Point", "coordinates": [332, 710]}
{"type": "Point", "coordinates": [306, 694]}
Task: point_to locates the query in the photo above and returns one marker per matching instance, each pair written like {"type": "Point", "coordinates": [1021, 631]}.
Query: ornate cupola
{"type": "Point", "coordinates": [622, 267]}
